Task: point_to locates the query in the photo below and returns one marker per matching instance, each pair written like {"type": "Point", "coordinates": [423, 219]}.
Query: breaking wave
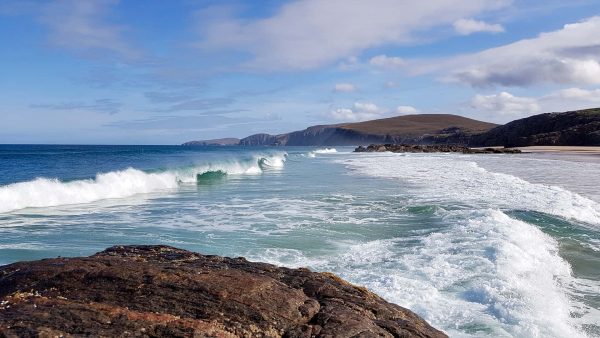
{"type": "Point", "coordinates": [322, 151]}
{"type": "Point", "coordinates": [50, 192]}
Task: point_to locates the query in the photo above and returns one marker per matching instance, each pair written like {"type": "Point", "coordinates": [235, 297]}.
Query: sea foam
{"type": "Point", "coordinates": [321, 151]}
{"type": "Point", "coordinates": [452, 179]}
{"type": "Point", "coordinates": [488, 274]}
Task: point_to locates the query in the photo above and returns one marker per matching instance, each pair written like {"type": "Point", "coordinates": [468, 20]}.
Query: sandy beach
{"type": "Point", "coordinates": [561, 149]}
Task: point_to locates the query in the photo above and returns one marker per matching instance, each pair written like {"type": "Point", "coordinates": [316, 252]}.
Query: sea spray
{"type": "Point", "coordinates": [321, 151]}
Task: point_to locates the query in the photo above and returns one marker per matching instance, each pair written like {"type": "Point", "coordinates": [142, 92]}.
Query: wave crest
{"type": "Point", "coordinates": [49, 192]}
{"type": "Point", "coordinates": [321, 151]}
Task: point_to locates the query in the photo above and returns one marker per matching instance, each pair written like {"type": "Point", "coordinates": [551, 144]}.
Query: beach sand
{"type": "Point", "coordinates": [561, 149]}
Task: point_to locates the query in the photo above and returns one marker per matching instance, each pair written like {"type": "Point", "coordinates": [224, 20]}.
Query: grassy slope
{"type": "Point", "coordinates": [418, 125]}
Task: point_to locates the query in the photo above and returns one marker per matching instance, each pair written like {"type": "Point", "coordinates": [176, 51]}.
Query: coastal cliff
{"type": "Point", "coordinates": [154, 291]}
{"type": "Point", "coordinates": [574, 128]}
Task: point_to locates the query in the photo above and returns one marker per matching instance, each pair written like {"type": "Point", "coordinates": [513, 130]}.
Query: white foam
{"type": "Point", "coordinates": [273, 162]}
{"type": "Point", "coordinates": [326, 151]}
{"type": "Point", "coordinates": [489, 275]}
{"type": "Point", "coordinates": [46, 192]}
{"type": "Point", "coordinates": [490, 271]}
{"type": "Point", "coordinates": [321, 151]}
{"type": "Point", "coordinates": [452, 179]}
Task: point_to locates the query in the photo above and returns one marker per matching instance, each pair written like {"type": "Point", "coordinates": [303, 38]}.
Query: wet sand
{"type": "Point", "coordinates": [561, 149]}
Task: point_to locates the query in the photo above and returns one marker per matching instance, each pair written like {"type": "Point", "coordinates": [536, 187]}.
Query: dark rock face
{"type": "Point", "coordinates": [575, 128]}
{"type": "Point", "coordinates": [442, 148]}
{"type": "Point", "coordinates": [259, 140]}
{"type": "Point", "coordinates": [156, 291]}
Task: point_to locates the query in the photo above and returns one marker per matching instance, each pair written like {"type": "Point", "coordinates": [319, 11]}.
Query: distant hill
{"type": "Point", "coordinates": [573, 128]}
{"type": "Point", "coordinates": [419, 124]}
{"type": "Point", "coordinates": [422, 129]}
{"type": "Point", "coordinates": [230, 141]}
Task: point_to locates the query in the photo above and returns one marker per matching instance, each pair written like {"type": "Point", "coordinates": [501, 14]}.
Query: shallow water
{"type": "Point", "coordinates": [479, 245]}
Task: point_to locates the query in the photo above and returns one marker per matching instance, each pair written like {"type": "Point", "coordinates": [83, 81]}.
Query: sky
{"type": "Point", "coordinates": [167, 72]}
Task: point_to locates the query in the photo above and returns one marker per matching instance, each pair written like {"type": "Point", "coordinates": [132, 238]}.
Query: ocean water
{"type": "Point", "coordinates": [478, 245]}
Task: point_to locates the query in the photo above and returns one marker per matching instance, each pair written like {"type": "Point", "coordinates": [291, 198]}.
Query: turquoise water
{"type": "Point", "coordinates": [479, 245]}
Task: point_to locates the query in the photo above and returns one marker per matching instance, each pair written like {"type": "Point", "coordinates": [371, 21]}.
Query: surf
{"type": "Point", "coordinates": [51, 192]}
{"type": "Point", "coordinates": [457, 180]}
{"type": "Point", "coordinates": [314, 153]}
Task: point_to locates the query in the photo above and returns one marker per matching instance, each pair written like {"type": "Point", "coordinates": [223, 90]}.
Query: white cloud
{"type": "Point", "coordinates": [81, 26]}
{"type": "Point", "coordinates": [570, 55]}
{"type": "Point", "coordinates": [576, 94]}
{"type": "Point", "coordinates": [387, 62]}
{"type": "Point", "coordinates": [470, 26]}
{"type": "Point", "coordinates": [402, 110]}
{"type": "Point", "coordinates": [360, 111]}
{"type": "Point", "coordinates": [344, 87]}
{"type": "Point", "coordinates": [505, 104]}
{"type": "Point", "coordinates": [312, 33]}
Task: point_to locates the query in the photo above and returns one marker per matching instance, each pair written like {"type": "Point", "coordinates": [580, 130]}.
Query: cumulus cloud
{"type": "Point", "coordinates": [470, 26]}
{"type": "Point", "coordinates": [506, 104]}
{"type": "Point", "coordinates": [566, 56]}
{"type": "Point", "coordinates": [344, 87]}
{"type": "Point", "coordinates": [363, 111]}
{"type": "Point", "coordinates": [387, 62]}
{"type": "Point", "coordinates": [360, 111]}
{"type": "Point", "coordinates": [404, 110]}
{"type": "Point", "coordinates": [576, 94]}
{"type": "Point", "coordinates": [312, 33]}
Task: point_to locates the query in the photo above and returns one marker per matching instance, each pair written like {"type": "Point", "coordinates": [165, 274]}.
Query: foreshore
{"type": "Point", "coordinates": [588, 150]}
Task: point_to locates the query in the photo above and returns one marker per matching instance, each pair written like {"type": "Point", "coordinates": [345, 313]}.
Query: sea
{"type": "Point", "coordinates": [486, 245]}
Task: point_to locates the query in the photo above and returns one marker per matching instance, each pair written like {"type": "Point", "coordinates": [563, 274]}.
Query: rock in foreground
{"type": "Point", "coordinates": [440, 148]}
{"type": "Point", "coordinates": [151, 291]}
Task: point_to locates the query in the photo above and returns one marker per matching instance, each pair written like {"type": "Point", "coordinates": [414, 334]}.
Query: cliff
{"type": "Point", "coordinates": [158, 291]}
{"type": "Point", "coordinates": [573, 128]}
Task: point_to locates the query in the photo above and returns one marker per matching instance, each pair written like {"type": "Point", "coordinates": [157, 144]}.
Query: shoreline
{"type": "Point", "coordinates": [579, 150]}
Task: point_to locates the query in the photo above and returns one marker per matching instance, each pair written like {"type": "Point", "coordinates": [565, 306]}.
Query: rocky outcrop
{"type": "Point", "coordinates": [575, 128]}
{"type": "Point", "coordinates": [259, 140]}
{"type": "Point", "coordinates": [157, 291]}
{"type": "Point", "coordinates": [408, 148]}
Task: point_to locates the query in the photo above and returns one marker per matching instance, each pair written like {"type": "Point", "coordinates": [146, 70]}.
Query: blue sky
{"type": "Point", "coordinates": [165, 72]}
